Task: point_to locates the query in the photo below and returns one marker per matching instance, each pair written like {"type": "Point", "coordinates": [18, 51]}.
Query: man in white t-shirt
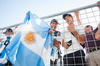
{"type": "Point", "coordinates": [73, 41]}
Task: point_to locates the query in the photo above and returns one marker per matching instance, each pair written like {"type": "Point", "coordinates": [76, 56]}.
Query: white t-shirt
{"type": "Point", "coordinates": [67, 36]}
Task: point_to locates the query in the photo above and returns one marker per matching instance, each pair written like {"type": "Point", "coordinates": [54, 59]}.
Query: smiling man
{"type": "Point", "coordinates": [73, 39]}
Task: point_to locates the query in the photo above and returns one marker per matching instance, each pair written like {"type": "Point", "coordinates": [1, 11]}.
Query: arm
{"type": "Point", "coordinates": [27, 13]}
{"type": "Point", "coordinates": [97, 35]}
{"type": "Point", "coordinates": [55, 42]}
{"type": "Point", "coordinates": [80, 38]}
{"type": "Point", "coordinates": [1, 39]}
{"type": "Point", "coordinates": [50, 31]}
{"type": "Point", "coordinates": [77, 17]}
{"type": "Point", "coordinates": [99, 4]}
{"type": "Point", "coordinates": [64, 44]}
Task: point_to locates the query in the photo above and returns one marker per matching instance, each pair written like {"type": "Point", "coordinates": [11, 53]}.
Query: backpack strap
{"type": "Point", "coordinates": [80, 43]}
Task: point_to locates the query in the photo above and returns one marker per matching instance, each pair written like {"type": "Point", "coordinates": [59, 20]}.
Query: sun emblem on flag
{"type": "Point", "coordinates": [30, 38]}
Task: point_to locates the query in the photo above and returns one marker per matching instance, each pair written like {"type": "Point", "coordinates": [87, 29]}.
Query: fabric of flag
{"type": "Point", "coordinates": [3, 56]}
{"type": "Point", "coordinates": [31, 43]}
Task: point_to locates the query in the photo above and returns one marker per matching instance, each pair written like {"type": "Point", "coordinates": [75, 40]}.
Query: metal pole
{"type": "Point", "coordinates": [69, 11]}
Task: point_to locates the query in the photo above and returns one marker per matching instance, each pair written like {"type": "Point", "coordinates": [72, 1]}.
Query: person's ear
{"type": "Point", "coordinates": [73, 18]}
{"type": "Point", "coordinates": [11, 33]}
{"type": "Point", "coordinates": [6, 34]}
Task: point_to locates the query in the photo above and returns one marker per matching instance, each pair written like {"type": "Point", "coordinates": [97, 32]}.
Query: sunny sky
{"type": "Point", "coordinates": [13, 11]}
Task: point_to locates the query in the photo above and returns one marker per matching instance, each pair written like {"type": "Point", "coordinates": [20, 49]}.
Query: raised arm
{"type": "Point", "coordinates": [99, 4]}
{"type": "Point", "coordinates": [97, 35]}
{"type": "Point", "coordinates": [27, 13]}
{"type": "Point", "coordinates": [55, 42]}
{"type": "Point", "coordinates": [80, 38]}
{"type": "Point", "coordinates": [1, 39]}
{"type": "Point", "coordinates": [77, 17]}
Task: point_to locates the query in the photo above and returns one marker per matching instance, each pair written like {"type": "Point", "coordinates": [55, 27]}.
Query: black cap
{"type": "Point", "coordinates": [54, 20]}
{"type": "Point", "coordinates": [66, 15]}
{"type": "Point", "coordinates": [8, 30]}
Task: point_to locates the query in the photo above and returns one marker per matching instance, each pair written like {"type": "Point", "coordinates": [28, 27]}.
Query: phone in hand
{"type": "Point", "coordinates": [70, 42]}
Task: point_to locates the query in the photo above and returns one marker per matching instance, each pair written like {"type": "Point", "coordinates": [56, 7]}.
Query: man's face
{"type": "Point", "coordinates": [53, 25]}
{"type": "Point", "coordinates": [9, 33]}
{"type": "Point", "coordinates": [88, 29]}
{"type": "Point", "coordinates": [68, 19]}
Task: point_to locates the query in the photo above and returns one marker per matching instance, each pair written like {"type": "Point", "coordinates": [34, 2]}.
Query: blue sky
{"type": "Point", "coordinates": [13, 11]}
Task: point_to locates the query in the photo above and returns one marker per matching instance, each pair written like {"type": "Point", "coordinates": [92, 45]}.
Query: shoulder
{"type": "Point", "coordinates": [95, 30]}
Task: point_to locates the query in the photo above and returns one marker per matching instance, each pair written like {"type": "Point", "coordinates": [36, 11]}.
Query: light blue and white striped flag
{"type": "Point", "coordinates": [31, 43]}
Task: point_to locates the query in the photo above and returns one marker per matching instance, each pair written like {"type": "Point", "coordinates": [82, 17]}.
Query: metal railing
{"type": "Point", "coordinates": [57, 14]}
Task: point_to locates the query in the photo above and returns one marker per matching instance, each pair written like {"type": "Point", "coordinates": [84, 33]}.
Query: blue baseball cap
{"type": "Point", "coordinates": [66, 15]}
{"type": "Point", "coordinates": [54, 20]}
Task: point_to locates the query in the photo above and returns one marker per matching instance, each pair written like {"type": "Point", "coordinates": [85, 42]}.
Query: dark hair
{"type": "Point", "coordinates": [66, 15]}
{"type": "Point", "coordinates": [8, 30]}
{"type": "Point", "coordinates": [89, 26]}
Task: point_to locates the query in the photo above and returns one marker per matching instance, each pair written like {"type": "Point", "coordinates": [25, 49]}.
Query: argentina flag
{"type": "Point", "coordinates": [30, 45]}
{"type": "Point", "coordinates": [3, 56]}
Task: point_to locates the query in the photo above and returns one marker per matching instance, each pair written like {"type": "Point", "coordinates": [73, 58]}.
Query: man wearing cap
{"type": "Point", "coordinates": [3, 45]}
{"type": "Point", "coordinates": [92, 44]}
{"type": "Point", "coordinates": [72, 41]}
{"type": "Point", "coordinates": [56, 40]}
